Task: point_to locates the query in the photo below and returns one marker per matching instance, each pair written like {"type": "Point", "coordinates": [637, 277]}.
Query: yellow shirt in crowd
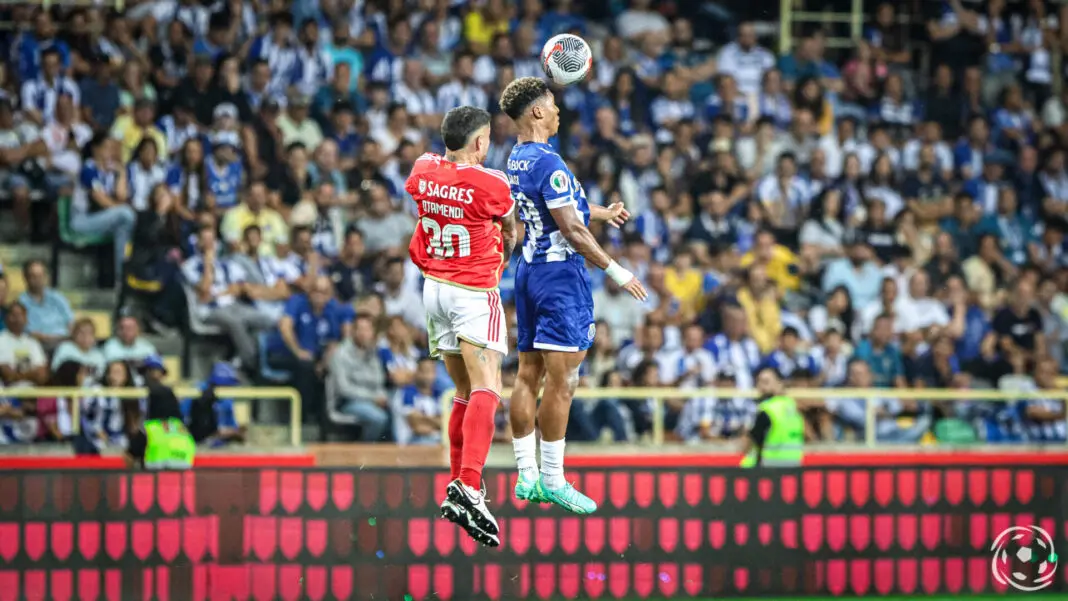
{"type": "Point", "coordinates": [273, 228]}
{"type": "Point", "coordinates": [686, 286]}
{"type": "Point", "coordinates": [479, 31]}
{"type": "Point", "coordinates": [783, 268]}
{"type": "Point", "coordinates": [130, 135]}
{"type": "Point", "coordinates": [765, 320]}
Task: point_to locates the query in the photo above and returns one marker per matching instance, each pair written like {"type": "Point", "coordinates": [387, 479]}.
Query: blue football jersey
{"type": "Point", "coordinates": [541, 181]}
{"type": "Point", "coordinates": [225, 183]}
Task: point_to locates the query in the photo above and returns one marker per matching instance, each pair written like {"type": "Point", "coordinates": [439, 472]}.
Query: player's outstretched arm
{"type": "Point", "coordinates": [614, 214]}
{"type": "Point", "coordinates": [580, 238]}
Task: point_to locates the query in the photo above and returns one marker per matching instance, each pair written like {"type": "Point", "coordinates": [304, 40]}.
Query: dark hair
{"type": "Point", "coordinates": [66, 375]}
{"type": "Point", "coordinates": [251, 228]}
{"type": "Point", "coordinates": [126, 370]}
{"type": "Point", "coordinates": [199, 170]}
{"type": "Point", "coordinates": [460, 124]}
{"type": "Point", "coordinates": [28, 265]}
{"type": "Point", "coordinates": [296, 231]}
{"type": "Point", "coordinates": [641, 370]}
{"type": "Point", "coordinates": [773, 370]}
{"type": "Point", "coordinates": [145, 141]}
{"type": "Point", "coordinates": [282, 18]}
{"type": "Point", "coordinates": [50, 50]}
{"type": "Point", "coordinates": [521, 94]}
{"type": "Point", "coordinates": [97, 140]}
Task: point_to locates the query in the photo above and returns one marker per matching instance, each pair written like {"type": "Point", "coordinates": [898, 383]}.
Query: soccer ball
{"type": "Point", "coordinates": [566, 58]}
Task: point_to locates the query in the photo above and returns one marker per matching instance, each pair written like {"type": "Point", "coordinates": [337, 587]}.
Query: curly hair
{"type": "Point", "coordinates": [522, 93]}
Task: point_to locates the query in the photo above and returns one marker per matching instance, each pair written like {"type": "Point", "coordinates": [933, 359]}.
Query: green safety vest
{"type": "Point", "coordinates": [169, 445]}
{"type": "Point", "coordinates": [784, 443]}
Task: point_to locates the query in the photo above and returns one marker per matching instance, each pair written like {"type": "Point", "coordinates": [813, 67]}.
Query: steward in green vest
{"type": "Point", "coordinates": [778, 435]}
{"type": "Point", "coordinates": [163, 442]}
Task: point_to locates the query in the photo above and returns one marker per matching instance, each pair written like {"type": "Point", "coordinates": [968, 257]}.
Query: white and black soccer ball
{"type": "Point", "coordinates": [567, 59]}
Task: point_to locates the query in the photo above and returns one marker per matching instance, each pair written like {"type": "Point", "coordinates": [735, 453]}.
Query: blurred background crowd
{"type": "Point", "coordinates": [885, 213]}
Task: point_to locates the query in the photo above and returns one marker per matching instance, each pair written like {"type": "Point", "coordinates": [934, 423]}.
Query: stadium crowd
{"type": "Point", "coordinates": [851, 220]}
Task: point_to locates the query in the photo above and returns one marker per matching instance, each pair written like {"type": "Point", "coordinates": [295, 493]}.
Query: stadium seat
{"type": "Point", "coordinates": [333, 416]}
{"type": "Point", "coordinates": [174, 369]}
{"type": "Point", "coordinates": [16, 283]}
{"type": "Point", "coordinates": [68, 240]}
{"type": "Point", "coordinates": [268, 374]}
{"type": "Point", "coordinates": [198, 330]}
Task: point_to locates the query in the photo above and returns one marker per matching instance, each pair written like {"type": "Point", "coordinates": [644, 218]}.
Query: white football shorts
{"type": "Point", "coordinates": [454, 313]}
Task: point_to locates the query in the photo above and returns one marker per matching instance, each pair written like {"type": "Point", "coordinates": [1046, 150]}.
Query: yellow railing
{"type": "Point", "coordinates": [867, 394]}
{"type": "Point", "coordinates": [242, 397]}
{"type": "Point", "coordinates": [791, 16]}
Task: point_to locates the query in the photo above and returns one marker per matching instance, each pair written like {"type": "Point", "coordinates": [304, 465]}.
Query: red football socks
{"type": "Point", "coordinates": [456, 435]}
{"type": "Point", "coordinates": [478, 435]}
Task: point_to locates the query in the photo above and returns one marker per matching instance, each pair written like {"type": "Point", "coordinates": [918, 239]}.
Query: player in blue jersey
{"type": "Point", "coordinates": [554, 300]}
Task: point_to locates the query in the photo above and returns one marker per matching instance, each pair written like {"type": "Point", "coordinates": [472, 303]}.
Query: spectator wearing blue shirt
{"type": "Point", "coordinates": [975, 325]}
{"type": "Point", "coordinates": [39, 95]}
{"type": "Point", "coordinates": [986, 188]}
{"type": "Point", "coordinates": [398, 353]}
{"type": "Point", "coordinates": [1017, 235]}
{"type": "Point", "coordinates": [807, 61]}
{"type": "Point", "coordinates": [652, 225]}
{"type": "Point", "coordinates": [218, 285]}
{"type": "Point", "coordinates": [314, 66]}
{"type": "Point", "coordinates": [938, 367]}
{"type": "Point", "coordinates": [310, 329]}
{"type": "Point", "coordinates": [31, 47]}
{"type": "Point", "coordinates": [882, 356]}
{"type": "Point", "coordinates": [210, 419]}
{"type": "Point", "coordinates": [341, 52]}
{"type": "Point", "coordinates": [726, 102]}
{"type": "Point", "coordinates": [218, 38]}
{"type": "Point", "coordinates": [224, 172]}
{"type": "Point", "coordinates": [969, 153]}
{"type": "Point", "coordinates": [103, 417]}
{"type": "Point", "coordinates": [99, 206]}
{"type": "Point", "coordinates": [1043, 419]}
{"type": "Point", "coordinates": [963, 225]}
{"type": "Point", "coordinates": [857, 272]}
{"type": "Point", "coordinates": [1013, 128]}
{"type": "Point", "coordinates": [386, 62]}
{"type": "Point", "coordinates": [277, 49]}
{"type": "Point", "coordinates": [788, 357]}
{"type": "Point", "coordinates": [417, 410]}
{"type": "Point", "coordinates": [48, 314]}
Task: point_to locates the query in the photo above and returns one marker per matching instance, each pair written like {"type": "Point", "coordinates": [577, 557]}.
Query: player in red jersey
{"type": "Point", "coordinates": [465, 234]}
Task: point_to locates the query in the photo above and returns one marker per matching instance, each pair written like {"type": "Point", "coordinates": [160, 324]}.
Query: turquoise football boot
{"type": "Point", "coordinates": [568, 497]}
{"type": "Point", "coordinates": [527, 490]}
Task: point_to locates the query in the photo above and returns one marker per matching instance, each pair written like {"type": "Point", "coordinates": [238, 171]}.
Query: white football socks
{"type": "Point", "coordinates": [552, 464]}
{"type": "Point", "coordinates": [526, 456]}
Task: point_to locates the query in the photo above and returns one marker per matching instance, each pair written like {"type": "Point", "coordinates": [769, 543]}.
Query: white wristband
{"type": "Point", "coordinates": [618, 273]}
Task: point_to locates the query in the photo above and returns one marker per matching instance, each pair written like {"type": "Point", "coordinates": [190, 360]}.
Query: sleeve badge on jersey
{"type": "Point", "coordinates": [591, 332]}
{"type": "Point", "coordinates": [422, 186]}
{"type": "Point", "coordinates": [558, 180]}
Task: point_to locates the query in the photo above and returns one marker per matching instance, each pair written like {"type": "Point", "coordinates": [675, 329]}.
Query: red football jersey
{"type": "Point", "coordinates": [458, 238]}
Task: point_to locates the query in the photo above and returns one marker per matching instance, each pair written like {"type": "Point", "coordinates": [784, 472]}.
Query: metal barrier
{"type": "Point", "coordinates": [867, 394]}
{"type": "Point", "coordinates": [792, 14]}
{"type": "Point", "coordinates": [243, 397]}
{"type": "Point", "coordinates": [368, 534]}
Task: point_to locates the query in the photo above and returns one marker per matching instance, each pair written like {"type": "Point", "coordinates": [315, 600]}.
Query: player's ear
{"type": "Point", "coordinates": [536, 112]}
